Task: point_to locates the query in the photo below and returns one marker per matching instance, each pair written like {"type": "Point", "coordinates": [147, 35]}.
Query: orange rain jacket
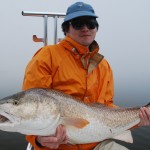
{"type": "Point", "coordinates": [75, 70]}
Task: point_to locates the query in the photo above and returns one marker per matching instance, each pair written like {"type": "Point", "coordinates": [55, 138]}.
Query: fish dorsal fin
{"type": "Point", "coordinates": [125, 136]}
{"type": "Point", "coordinates": [76, 122]}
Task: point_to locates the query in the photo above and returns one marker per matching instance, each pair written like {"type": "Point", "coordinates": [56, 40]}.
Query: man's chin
{"type": "Point", "coordinates": [85, 43]}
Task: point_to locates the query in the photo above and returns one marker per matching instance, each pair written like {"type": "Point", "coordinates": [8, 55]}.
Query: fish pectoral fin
{"type": "Point", "coordinates": [76, 122]}
{"type": "Point", "coordinates": [125, 136]}
{"type": "Point", "coordinates": [71, 142]}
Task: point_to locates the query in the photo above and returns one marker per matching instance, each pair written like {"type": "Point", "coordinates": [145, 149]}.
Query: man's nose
{"type": "Point", "coordinates": [85, 27]}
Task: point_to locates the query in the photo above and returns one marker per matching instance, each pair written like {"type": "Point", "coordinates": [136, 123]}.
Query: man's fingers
{"type": "Point", "coordinates": [144, 116]}
{"type": "Point", "coordinates": [147, 116]}
{"type": "Point", "coordinates": [52, 145]}
{"type": "Point", "coordinates": [61, 133]}
{"type": "Point", "coordinates": [46, 139]}
{"type": "Point", "coordinates": [53, 142]}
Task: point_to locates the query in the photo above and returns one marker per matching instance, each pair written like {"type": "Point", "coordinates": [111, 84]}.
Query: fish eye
{"type": "Point", "coordinates": [16, 102]}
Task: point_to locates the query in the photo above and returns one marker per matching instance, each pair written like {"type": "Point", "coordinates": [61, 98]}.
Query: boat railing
{"type": "Point", "coordinates": [45, 15]}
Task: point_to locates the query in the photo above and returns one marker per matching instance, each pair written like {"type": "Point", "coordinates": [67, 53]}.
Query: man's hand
{"type": "Point", "coordinates": [144, 116]}
{"type": "Point", "coordinates": [53, 142]}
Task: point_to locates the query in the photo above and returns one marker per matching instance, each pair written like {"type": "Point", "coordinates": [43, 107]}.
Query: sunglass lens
{"type": "Point", "coordinates": [91, 24]}
{"type": "Point", "coordinates": [79, 24]}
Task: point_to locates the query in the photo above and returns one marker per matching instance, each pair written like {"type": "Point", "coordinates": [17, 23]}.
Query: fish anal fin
{"type": "Point", "coordinates": [71, 142]}
{"type": "Point", "coordinates": [125, 136]}
{"type": "Point", "coordinates": [76, 122]}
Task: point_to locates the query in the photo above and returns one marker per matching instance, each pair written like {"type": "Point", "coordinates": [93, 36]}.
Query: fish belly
{"type": "Point", "coordinates": [89, 134]}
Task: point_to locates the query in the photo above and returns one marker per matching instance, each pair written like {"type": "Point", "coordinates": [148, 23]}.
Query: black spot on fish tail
{"type": "Point", "coordinates": [148, 105]}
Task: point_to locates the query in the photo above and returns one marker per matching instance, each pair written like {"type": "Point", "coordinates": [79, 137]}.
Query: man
{"type": "Point", "coordinates": [75, 67]}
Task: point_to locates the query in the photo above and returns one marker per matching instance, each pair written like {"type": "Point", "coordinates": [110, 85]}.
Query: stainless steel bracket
{"type": "Point", "coordinates": [45, 15]}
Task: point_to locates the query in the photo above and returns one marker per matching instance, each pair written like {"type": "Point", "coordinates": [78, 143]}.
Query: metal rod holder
{"type": "Point", "coordinates": [55, 29]}
{"type": "Point", "coordinates": [45, 30]}
{"type": "Point", "coordinates": [45, 15]}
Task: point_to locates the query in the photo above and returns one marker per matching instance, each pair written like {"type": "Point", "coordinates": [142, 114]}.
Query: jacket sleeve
{"type": "Point", "coordinates": [107, 85]}
{"type": "Point", "coordinates": [38, 75]}
{"type": "Point", "coordinates": [110, 90]}
{"type": "Point", "coordinates": [32, 139]}
{"type": "Point", "coordinates": [38, 71]}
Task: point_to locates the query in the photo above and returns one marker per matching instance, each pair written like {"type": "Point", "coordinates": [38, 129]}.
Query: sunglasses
{"type": "Point", "coordinates": [79, 23]}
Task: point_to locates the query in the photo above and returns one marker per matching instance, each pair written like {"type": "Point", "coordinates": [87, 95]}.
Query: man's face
{"type": "Point", "coordinates": [83, 30]}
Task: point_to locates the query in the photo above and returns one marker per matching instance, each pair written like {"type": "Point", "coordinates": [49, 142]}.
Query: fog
{"type": "Point", "coordinates": [124, 34]}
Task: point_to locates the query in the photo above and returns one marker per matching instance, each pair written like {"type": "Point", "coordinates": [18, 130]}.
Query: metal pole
{"type": "Point", "coordinates": [55, 29]}
{"type": "Point", "coordinates": [45, 30]}
{"type": "Point", "coordinates": [41, 14]}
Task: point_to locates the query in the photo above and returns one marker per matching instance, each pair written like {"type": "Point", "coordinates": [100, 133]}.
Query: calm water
{"type": "Point", "coordinates": [12, 141]}
{"type": "Point", "coordinates": [141, 137]}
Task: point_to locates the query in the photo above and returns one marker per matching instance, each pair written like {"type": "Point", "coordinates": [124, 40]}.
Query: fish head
{"type": "Point", "coordinates": [9, 106]}
{"type": "Point", "coordinates": [27, 112]}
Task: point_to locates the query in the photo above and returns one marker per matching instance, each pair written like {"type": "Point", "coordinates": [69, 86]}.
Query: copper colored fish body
{"type": "Point", "coordinates": [40, 111]}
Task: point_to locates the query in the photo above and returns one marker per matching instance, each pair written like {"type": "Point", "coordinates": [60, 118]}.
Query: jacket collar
{"type": "Point", "coordinates": [73, 46]}
{"type": "Point", "coordinates": [89, 57]}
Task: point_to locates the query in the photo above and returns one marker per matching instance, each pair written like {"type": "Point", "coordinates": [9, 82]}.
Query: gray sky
{"type": "Point", "coordinates": [124, 38]}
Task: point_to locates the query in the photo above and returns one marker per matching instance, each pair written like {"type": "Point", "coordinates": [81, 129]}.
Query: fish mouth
{"type": "Point", "coordinates": [4, 119]}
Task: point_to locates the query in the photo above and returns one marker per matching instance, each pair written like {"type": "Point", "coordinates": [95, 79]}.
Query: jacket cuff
{"type": "Point", "coordinates": [32, 140]}
{"type": "Point", "coordinates": [38, 144]}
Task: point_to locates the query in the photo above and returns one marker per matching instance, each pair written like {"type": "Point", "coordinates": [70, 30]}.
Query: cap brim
{"type": "Point", "coordinates": [79, 14]}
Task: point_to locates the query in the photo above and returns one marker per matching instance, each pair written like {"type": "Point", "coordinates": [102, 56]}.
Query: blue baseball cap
{"type": "Point", "coordinates": [79, 9]}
